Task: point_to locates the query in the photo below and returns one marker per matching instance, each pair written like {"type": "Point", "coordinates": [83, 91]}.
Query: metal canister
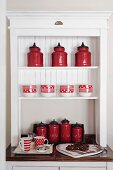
{"type": "Point", "coordinates": [59, 56]}
{"type": "Point", "coordinates": [65, 131]}
{"type": "Point", "coordinates": [41, 130]}
{"type": "Point", "coordinates": [53, 132]}
{"type": "Point", "coordinates": [83, 56]}
{"type": "Point", "coordinates": [35, 57]}
{"type": "Point", "coordinates": [77, 132]}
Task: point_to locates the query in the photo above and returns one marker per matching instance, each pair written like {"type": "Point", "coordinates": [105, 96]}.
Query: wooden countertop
{"type": "Point", "coordinates": [106, 156]}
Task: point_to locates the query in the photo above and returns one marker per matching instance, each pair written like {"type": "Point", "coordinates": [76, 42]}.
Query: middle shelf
{"type": "Point", "coordinates": [58, 75]}
{"type": "Point", "coordinates": [61, 98]}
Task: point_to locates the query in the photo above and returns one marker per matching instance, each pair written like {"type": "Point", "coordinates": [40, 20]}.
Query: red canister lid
{"type": "Point", "coordinates": [34, 48]}
{"type": "Point", "coordinates": [41, 125]}
{"type": "Point", "coordinates": [77, 125]}
{"type": "Point", "coordinates": [54, 122]}
{"type": "Point", "coordinates": [59, 48]}
{"type": "Point", "coordinates": [65, 121]}
{"type": "Point", "coordinates": [83, 46]}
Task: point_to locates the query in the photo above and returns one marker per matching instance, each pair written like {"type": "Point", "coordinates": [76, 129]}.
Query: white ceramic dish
{"type": "Point", "coordinates": [93, 150]}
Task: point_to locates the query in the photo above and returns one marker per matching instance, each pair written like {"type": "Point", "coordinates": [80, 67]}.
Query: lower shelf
{"type": "Point", "coordinates": [56, 156]}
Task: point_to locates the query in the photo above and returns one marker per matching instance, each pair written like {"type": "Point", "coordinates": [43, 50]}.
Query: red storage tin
{"type": "Point", "coordinates": [41, 130]}
{"type": "Point", "coordinates": [65, 131]}
{"type": "Point", "coordinates": [35, 57]}
{"type": "Point", "coordinates": [53, 133]}
{"type": "Point", "coordinates": [83, 56]}
{"type": "Point", "coordinates": [59, 56]}
{"type": "Point", "coordinates": [77, 132]}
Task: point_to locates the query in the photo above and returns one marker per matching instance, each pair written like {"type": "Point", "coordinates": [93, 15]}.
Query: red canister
{"type": "Point", "coordinates": [65, 131]}
{"type": "Point", "coordinates": [59, 56]}
{"type": "Point", "coordinates": [77, 132]}
{"type": "Point", "coordinates": [41, 130]}
{"type": "Point", "coordinates": [35, 57]}
{"type": "Point", "coordinates": [53, 134]}
{"type": "Point", "coordinates": [83, 56]}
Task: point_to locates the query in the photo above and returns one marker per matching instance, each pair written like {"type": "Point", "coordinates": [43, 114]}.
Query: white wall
{"type": "Point", "coordinates": [60, 5]}
{"type": "Point", "coordinates": [77, 5]}
{"type": "Point", "coordinates": [2, 83]}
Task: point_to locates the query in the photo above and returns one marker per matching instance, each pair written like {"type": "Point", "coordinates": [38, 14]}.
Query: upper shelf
{"type": "Point", "coordinates": [61, 68]}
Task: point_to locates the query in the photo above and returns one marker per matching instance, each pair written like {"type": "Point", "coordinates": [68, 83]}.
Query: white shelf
{"type": "Point", "coordinates": [61, 68]}
{"type": "Point", "coordinates": [54, 98]}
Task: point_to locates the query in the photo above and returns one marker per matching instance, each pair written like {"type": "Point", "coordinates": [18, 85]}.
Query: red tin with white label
{"type": "Point", "coordinates": [59, 56]}
{"type": "Point", "coordinates": [83, 56]}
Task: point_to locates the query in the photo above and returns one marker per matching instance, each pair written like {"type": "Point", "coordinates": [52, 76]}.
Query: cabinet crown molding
{"type": "Point", "coordinates": [69, 19]}
{"type": "Point", "coordinates": [73, 14]}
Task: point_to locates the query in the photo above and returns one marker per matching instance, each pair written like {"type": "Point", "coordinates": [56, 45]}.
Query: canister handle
{"type": "Point", "coordinates": [58, 23]}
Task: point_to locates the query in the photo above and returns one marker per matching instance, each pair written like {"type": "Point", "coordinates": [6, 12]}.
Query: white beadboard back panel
{"type": "Point", "coordinates": [35, 111]}
{"type": "Point", "coordinates": [47, 44]}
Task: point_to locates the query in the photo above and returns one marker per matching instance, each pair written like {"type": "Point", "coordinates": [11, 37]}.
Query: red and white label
{"type": "Point", "coordinates": [29, 89]}
{"type": "Point", "coordinates": [47, 88]}
{"type": "Point", "coordinates": [67, 89]}
{"type": "Point", "coordinates": [85, 88]}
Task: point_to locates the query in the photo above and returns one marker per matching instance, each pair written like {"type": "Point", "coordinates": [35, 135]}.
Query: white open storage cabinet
{"type": "Point", "coordinates": [43, 28]}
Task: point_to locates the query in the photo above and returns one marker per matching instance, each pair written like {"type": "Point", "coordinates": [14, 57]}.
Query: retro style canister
{"type": "Point", "coordinates": [65, 131]}
{"type": "Point", "coordinates": [41, 130]}
{"type": "Point", "coordinates": [53, 132]}
{"type": "Point", "coordinates": [77, 132]}
{"type": "Point", "coordinates": [35, 57]}
{"type": "Point", "coordinates": [59, 56]}
{"type": "Point", "coordinates": [83, 56]}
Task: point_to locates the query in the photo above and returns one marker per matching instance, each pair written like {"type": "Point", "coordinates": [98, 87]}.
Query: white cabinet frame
{"type": "Point", "coordinates": [74, 24]}
{"type": "Point", "coordinates": [56, 165]}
